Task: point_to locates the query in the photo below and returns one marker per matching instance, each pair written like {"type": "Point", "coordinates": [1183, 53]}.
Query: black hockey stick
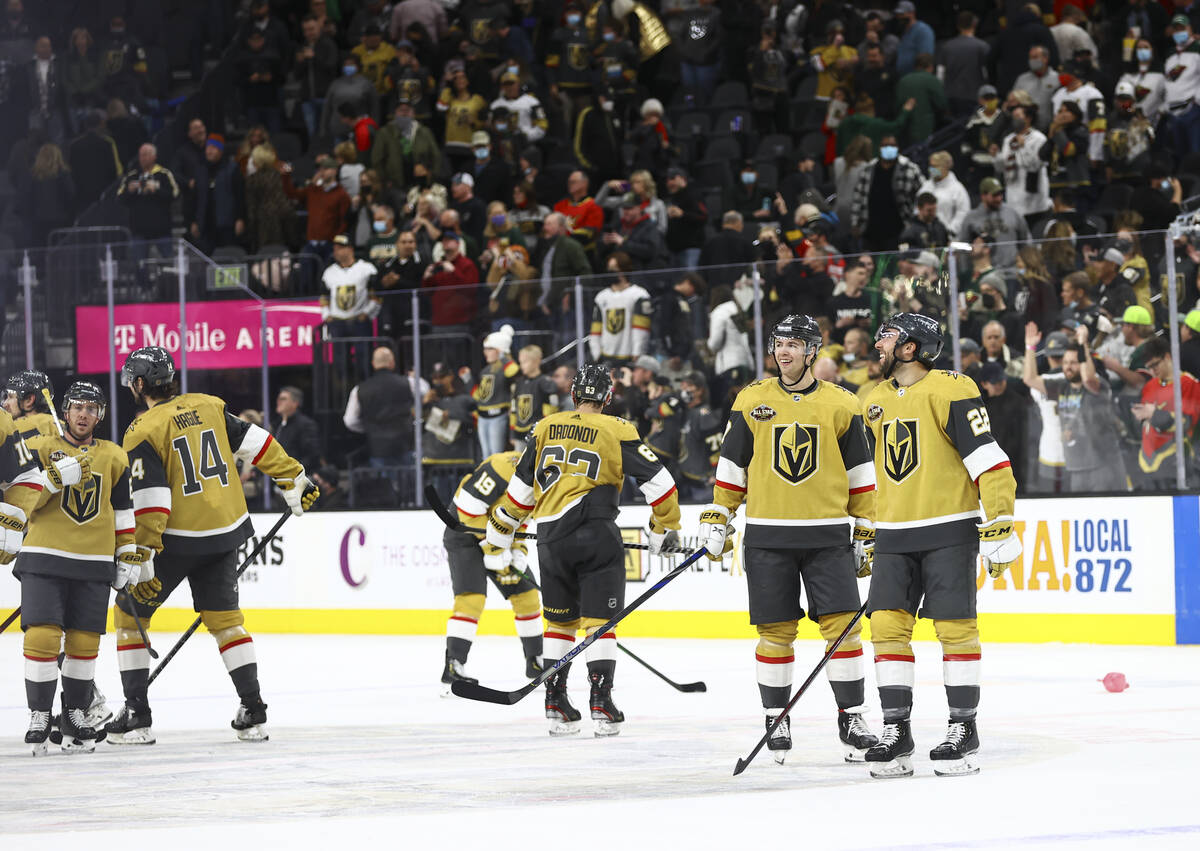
{"type": "Point", "coordinates": [8, 620]}
{"type": "Point", "coordinates": [141, 629]}
{"type": "Point", "coordinates": [688, 687]}
{"type": "Point", "coordinates": [474, 691]}
{"type": "Point", "coordinates": [742, 763]}
{"type": "Point", "coordinates": [196, 623]}
{"type": "Point", "coordinates": [450, 518]}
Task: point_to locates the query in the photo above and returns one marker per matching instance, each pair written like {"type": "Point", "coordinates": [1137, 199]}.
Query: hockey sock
{"type": "Point", "coordinates": [529, 628]}
{"type": "Point", "coordinates": [463, 624]}
{"type": "Point", "coordinates": [845, 667]}
{"type": "Point", "coordinates": [41, 677]}
{"type": "Point", "coordinates": [133, 659]}
{"type": "Point", "coordinates": [602, 656]}
{"type": "Point", "coordinates": [774, 663]}
{"type": "Point", "coordinates": [77, 676]}
{"type": "Point", "coordinates": [891, 634]}
{"type": "Point", "coordinates": [960, 665]}
{"type": "Point", "coordinates": [237, 652]}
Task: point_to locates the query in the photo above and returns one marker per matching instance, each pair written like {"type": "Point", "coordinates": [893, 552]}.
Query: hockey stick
{"type": "Point", "coordinates": [141, 629]}
{"type": "Point", "coordinates": [452, 522]}
{"type": "Point", "coordinates": [474, 691]}
{"type": "Point", "coordinates": [196, 623]}
{"type": "Point", "coordinates": [8, 620]}
{"type": "Point", "coordinates": [686, 687]}
{"type": "Point", "coordinates": [742, 763]}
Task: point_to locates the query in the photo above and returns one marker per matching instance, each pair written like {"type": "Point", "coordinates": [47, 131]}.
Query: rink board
{"type": "Point", "coordinates": [1093, 570]}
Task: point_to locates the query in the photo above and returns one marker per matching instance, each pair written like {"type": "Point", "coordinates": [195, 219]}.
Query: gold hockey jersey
{"type": "Point", "coordinates": [182, 466]}
{"type": "Point", "coordinates": [800, 460]}
{"type": "Point", "coordinates": [493, 393]}
{"type": "Point", "coordinates": [21, 476]}
{"type": "Point", "coordinates": [483, 487]}
{"type": "Point", "coordinates": [572, 470]}
{"type": "Point", "coordinates": [75, 533]}
{"type": "Point", "coordinates": [935, 460]}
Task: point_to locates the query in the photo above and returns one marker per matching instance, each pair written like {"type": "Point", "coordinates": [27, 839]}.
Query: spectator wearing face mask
{"type": "Point", "coordinates": [885, 197]}
{"type": "Point", "coordinates": [1040, 82]}
{"type": "Point", "coordinates": [1021, 158]}
{"type": "Point", "coordinates": [1182, 72]}
{"type": "Point", "coordinates": [1149, 84]}
{"type": "Point", "coordinates": [1158, 197]}
{"type": "Point", "coordinates": [350, 88]}
{"type": "Point", "coordinates": [953, 202]}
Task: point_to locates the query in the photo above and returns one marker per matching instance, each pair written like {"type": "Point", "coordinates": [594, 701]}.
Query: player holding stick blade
{"type": "Point", "coordinates": [470, 571]}
{"type": "Point", "coordinates": [935, 462]}
{"type": "Point", "coordinates": [568, 479]}
{"type": "Point", "coordinates": [190, 510]}
{"type": "Point", "coordinates": [796, 452]}
{"type": "Point", "coordinates": [66, 567]}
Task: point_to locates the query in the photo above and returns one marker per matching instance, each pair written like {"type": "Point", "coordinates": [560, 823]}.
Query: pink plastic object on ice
{"type": "Point", "coordinates": [1115, 682]}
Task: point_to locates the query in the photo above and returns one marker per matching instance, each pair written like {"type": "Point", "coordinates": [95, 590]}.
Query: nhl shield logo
{"type": "Point", "coordinates": [524, 407]}
{"type": "Point", "coordinates": [82, 502]}
{"type": "Point", "coordinates": [614, 320]}
{"type": "Point", "coordinates": [487, 384]}
{"type": "Point", "coordinates": [795, 457]}
{"type": "Point", "coordinates": [901, 449]}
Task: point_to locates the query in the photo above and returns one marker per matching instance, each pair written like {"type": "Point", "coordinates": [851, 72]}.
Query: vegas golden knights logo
{"type": "Point", "coordinates": [614, 320]}
{"type": "Point", "coordinates": [82, 502]}
{"type": "Point", "coordinates": [578, 56]}
{"type": "Point", "coordinates": [795, 457]}
{"type": "Point", "coordinates": [524, 407]}
{"type": "Point", "coordinates": [901, 453]}
{"type": "Point", "coordinates": [487, 384]}
{"type": "Point", "coordinates": [345, 297]}
{"type": "Point", "coordinates": [479, 30]}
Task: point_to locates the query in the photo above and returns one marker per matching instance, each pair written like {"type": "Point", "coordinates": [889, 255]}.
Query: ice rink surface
{"type": "Point", "coordinates": [363, 750]}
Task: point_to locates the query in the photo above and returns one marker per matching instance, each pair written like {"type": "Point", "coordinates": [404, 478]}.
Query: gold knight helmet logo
{"type": "Point", "coordinates": [82, 502]}
{"type": "Point", "coordinates": [901, 452]}
{"type": "Point", "coordinates": [795, 455]}
{"type": "Point", "coordinates": [524, 407]}
{"type": "Point", "coordinates": [487, 384]}
{"type": "Point", "coordinates": [614, 320]}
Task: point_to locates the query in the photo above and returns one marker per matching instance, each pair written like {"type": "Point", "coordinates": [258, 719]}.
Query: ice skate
{"type": "Point", "coordinates": [130, 727]}
{"type": "Point", "coordinates": [563, 717]}
{"type": "Point", "coordinates": [250, 722]}
{"type": "Point", "coordinates": [533, 667]}
{"type": "Point", "coordinates": [781, 740]}
{"type": "Point", "coordinates": [98, 713]}
{"type": "Point", "coordinates": [604, 712]}
{"type": "Point", "coordinates": [956, 756]}
{"type": "Point", "coordinates": [856, 737]}
{"type": "Point", "coordinates": [454, 672]}
{"type": "Point", "coordinates": [77, 736]}
{"type": "Point", "coordinates": [38, 732]}
{"type": "Point", "coordinates": [892, 757]}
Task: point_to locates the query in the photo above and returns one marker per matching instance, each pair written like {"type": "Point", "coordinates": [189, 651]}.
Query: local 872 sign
{"type": "Point", "coordinates": [1090, 555]}
{"type": "Point", "coordinates": [219, 334]}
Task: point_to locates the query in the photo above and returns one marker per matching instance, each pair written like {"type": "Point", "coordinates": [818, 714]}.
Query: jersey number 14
{"type": "Point", "coordinates": [212, 465]}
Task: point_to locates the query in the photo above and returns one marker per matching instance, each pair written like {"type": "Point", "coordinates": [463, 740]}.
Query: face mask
{"type": "Point", "coordinates": [1143, 54]}
{"type": "Point", "coordinates": [529, 172]}
{"type": "Point", "coordinates": [349, 70]}
{"type": "Point", "coordinates": [498, 221]}
{"type": "Point", "coordinates": [573, 20]}
{"type": "Point", "coordinates": [379, 227]}
{"type": "Point", "coordinates": [404, 123]}
{"type": "Point", "coordinates": [1036, 65]}
{"type": "Point", "coordinates": [685, 396]}
{"type": "Point", "coordinates": [1165, 185]}
{"type": "Point", "coordinates": [934, 172]}
{"type": "Point", "coordinates": [889, 152]}
{"type": "Point", "coordinates": [990, 104]}
{"type": "Point", "coordinates": [501, 126]}
{"type": "Point", "coordinates": [1064, 79]}
{"type": "Point", "coordinates": [1021, 271]}
{"type": "Point", "coordinates": [610, 36]}
{"type": "Point", "coordinates": [748, 177]}
{"type": "Point", "coordinates": [1181, 37]}
{"type": "Point", "coordinates": [613, 70]}
{"type": "Point", "coordinates": [117, 31]}
{"type": "Point", "coordinates": [513, 69]}
{"type": "Point", "coordinates": [482, 153]}
{"type": "Point", "coordinates": [1018, 124]}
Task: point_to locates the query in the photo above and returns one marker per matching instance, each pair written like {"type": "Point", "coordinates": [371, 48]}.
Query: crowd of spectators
{"type": "Point", "coordinates": [673, 156]}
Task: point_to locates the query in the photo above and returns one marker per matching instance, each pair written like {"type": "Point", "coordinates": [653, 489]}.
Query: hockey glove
{"type": "Point", "coordinates": [999, 545]}
{"type": "Point", "coordinates": [501, 528]}
{"type": "Point", "coordinates": [661, 538]}
{"type": "Point", "coordinates": [520, 556]}
{"type": "Point", "coordinates": [130, 558]}
{"type": "Point", "coordinates": [864, 546]}
{"type": "Point", "coordinates": [12, 531]}
{"type": "Point", "coordinates": [146, 593]}
{"type": "Point", "coordinates": [715, 532]}
{"type": "Point", "coordinates": [299, 493]}
{"type": "Point", "coordinates": [499, 563]}
{"type": "Point", "coordinates": [67, 471]}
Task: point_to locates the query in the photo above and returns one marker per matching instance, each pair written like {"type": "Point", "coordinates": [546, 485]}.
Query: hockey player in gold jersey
{"type": "Point", "coordinates": [66, 567]}
{"type": "Point", "coordinates": [568, 479]}
{"type": "Point", "coordinates": [795, 451]}
{"type": "Point", "coordinates": [191, 512]}
{"type": "Point", "coordinates": [935, 463]}
{"type": "Point", "coordinates": [478, 491]}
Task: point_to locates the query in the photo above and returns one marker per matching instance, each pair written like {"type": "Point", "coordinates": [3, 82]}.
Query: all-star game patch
{"type": "Point", "coordinates": [874, 412]}
{"type": "Point", "coordinates": [763, 413]}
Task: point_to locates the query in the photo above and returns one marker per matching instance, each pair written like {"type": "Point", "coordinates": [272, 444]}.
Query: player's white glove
{"type": "Point", "coordinates": [299, 493]}
{"type": "Point", "coordinates": [520, 556]}
{"type": "Point", "coordinates": [661, 538]}
{"type": "Point", "coordinates": [999, 545]}
{"type": "Point", "coordinates": [129, 567]}
{"type": "Point", "coordinates": [501, 528]}
{"type": "Point", "coordinates": [67, 471]}
{"type": "Point", "coordinates": [864, 546]}
{"type": "Point", "coordinates": [12, 531]}
{"type": "Point", "coordinates": [716, 535]}
{"type": "Point", "coordinates": [499, 562]}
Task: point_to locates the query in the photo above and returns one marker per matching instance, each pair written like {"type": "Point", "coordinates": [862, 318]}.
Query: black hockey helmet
{"type": "Point", "coordinates": [84, 392]}
{"type": "Point", "coordinates": [796, 326]}
{"type": "Point", "coordinates": [917, 328]}
{"type": "Point", "coordinates": [152, 363]}
{"type": "Point", "coordinates": [592, 383]}
{"type": "Point", "coordinates": [30, 383]}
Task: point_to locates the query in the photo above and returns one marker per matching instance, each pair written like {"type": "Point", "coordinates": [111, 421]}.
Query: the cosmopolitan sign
{"type": "Point", "coordinates": [219, 334]}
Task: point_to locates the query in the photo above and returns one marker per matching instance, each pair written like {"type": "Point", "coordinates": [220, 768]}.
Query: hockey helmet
{"type": "Point", "coordinates": [797, 326]}
{"type": "Point", "coordinates": [85, 392]}
{"type": "Point", "coordinates": [592, 383]}
{"type": "Point", "coordinates": [30, 383]}
{"type": "Point", "coordinates": [152, 363]}
{"type": "Point", "coordinates": [917, 328]}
